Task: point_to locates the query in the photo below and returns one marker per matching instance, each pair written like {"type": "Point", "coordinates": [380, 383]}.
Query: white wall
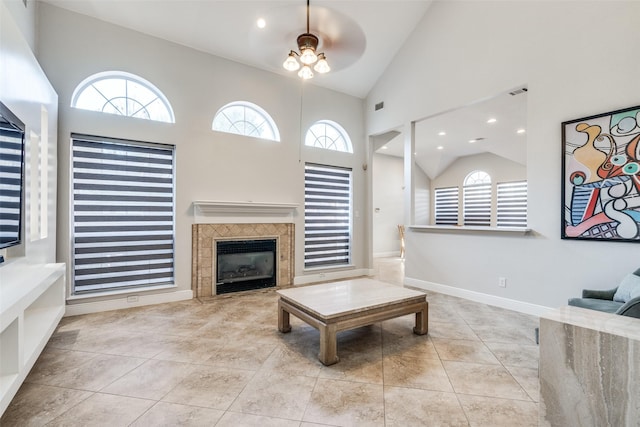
{"type": "Point", "coordinates": [578, 59]}
{"type": "Point", "coordinates": [24, 18]}
{"type": "Point", "coordinates": [209, 165]}
{"type": "Point", "coordinates": [422, 196]}
{"type": "Point", "coordinates": [25, 90]}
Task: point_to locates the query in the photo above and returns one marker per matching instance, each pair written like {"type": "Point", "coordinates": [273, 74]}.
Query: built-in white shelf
{"type": "Point", "coordinates": [468, 229]}
{"type": "Point", "coordinates": [207, 207]}
{"type": "Point", "coordinates": [32, 302]}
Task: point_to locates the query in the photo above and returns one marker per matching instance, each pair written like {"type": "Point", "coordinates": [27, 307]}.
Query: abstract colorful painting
{"type": "Point", "coordinates": [601, 177]}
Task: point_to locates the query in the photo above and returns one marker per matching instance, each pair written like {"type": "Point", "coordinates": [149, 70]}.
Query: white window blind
{"type": "Point", "coordinates": [327, 216]}
{"type": "Point", "coordinates": [512, 204]}
{"type": "Point", "coordinates": [477, 204]}
{"type": "Point", "coordinates": [123, 203]}
{"type": "Point", "coordinates": [446, 206]}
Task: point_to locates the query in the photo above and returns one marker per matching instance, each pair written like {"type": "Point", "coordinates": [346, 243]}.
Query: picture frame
{"type": "Point", "coordinates": [601, 177]}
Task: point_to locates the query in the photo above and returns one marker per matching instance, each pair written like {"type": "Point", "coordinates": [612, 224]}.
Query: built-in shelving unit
{"type": "Point", "coordinates": [32, 302]}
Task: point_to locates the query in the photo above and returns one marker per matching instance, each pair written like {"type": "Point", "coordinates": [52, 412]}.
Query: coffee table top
{"type": "Point", "coordinates": [349, 296]}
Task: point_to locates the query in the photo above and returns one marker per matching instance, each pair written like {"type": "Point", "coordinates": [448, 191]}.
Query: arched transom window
{"type": "Point", "coordinates": [245, 118]}
{"type": "Point", "coordinates": [477, 177]}
{"type": "Point", "coordinates": [125, 94]}
{"type": "Point", "coordinates": [329, 135]}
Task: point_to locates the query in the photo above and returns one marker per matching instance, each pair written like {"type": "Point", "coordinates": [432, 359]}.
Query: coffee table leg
{"type": "Point", "coordinates": [422, 320]}
{"type": "Point", "coordinates": [328, 346]}
{"type": "Point", "coordinates": [283, 319]}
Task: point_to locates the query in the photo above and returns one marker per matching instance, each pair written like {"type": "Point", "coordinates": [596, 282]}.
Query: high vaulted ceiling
{"type": "Point", "coordinates": [497, 125]}
{"type": "Point", "coordinates": [359, 37]}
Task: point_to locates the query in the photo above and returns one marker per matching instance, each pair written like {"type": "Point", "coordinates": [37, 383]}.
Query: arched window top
{"type": "Point", "coordinates": [328, 135]}
{"type": "Point", "coordinates": [125, 94]}
{"type": "Point", "coordinates": [245, 118]}
{"type": "Point", "coordinates": [477, 177]}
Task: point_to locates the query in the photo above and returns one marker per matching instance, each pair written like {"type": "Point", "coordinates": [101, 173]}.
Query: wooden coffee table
{"type": "Point", "coordinates": [338, 306]}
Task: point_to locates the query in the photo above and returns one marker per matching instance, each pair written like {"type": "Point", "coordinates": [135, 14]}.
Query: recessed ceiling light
{"type": "Point", "coordinates": [443, 133]}
{"type": "Point", "coordinates": [520, 131]}
{"type": "Point", "coordinates": [261, 23]}
{"type": "Point", "coordinates": [491, 120]}
{"type": "Point", "coordinates": [440, 147]}
{"type": "Point", "coordinates": [384, 147]}
{"type": "Point", "coordinates": [471, 141]}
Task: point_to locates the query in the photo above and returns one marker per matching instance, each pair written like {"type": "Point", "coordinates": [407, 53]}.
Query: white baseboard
{"type": "Point", "coordinates": [120, 303]}
{"type": "Point", "coordinates": [332, 275]}
{"type": "Point", "coordinates": [391, 254]}
{"type": "Point", "coordinates": [510, 304]}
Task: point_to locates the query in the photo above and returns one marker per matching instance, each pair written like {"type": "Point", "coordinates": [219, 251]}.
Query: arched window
{"type": "Point", "coordinates": [477, 177]}
{"type": "Point", "coordinates": [329, 135]}
{"type": "Point", "coordinates": [117, 92]}
{"type": "Point", "coordinates": [476, 205]}
{"type": "Point", "coordinates": [245, 118]}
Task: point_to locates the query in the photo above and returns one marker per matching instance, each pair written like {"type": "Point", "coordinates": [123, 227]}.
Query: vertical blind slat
{"type": "Point", "coordinates": [327, 237]}
{"type": "Point", "coordinates": [512, 204]}
{"type": "Point", "coordinates": [446, 206]}
{"type": "Point", "coordinates": [118, 212]}
{"type": "Point", "coordinates": [10, 180]}
{"type": "Point", "coordinates": [476, 208]}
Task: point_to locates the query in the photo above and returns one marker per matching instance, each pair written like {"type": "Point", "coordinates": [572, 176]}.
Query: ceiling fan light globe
{"type": "Point", "coordinates": [322, 66]}
{"type": "Point", "coordinates": [308, 56]}
{"type": "Point", "coordinates": [290, 64]}
{"type": "Point", "coordinates": [305, 73]}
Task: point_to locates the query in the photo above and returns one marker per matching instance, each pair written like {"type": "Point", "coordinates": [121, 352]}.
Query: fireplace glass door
{"type": "Point", "coordinates": [243, 265]}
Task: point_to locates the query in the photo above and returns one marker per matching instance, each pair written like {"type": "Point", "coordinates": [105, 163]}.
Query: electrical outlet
{"type": "Point", "coordinates": [132, 298]}
{"type": "Point", "coordinates": [502, 282]}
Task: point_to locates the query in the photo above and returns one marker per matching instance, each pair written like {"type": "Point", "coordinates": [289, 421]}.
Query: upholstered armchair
{"type": "Point", "coordinates": [623, 299]}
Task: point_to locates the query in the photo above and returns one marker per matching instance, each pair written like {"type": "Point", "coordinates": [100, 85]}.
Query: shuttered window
{"type": "Point", "coordinates": [477, 204]}
{"type": "Point", "coordinates": [327, 216]}
{"type": "Point", "coordinates": [446, 206]}
{"type": "Point", "coordinates": [11, 154]}
{"type": "Point", "coordinates": [512, 204]}
{"type": "Point", "coordinates": [123, 204]}
{"type": "Point", "coordinates": [476, 199]}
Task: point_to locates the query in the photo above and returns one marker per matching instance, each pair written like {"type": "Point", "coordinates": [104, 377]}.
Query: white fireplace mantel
{"type": "Point", "coordinates": [205, 210]}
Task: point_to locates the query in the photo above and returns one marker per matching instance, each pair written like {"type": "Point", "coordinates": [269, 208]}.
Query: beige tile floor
{"type": "Point", "coordinates": [224, 363]}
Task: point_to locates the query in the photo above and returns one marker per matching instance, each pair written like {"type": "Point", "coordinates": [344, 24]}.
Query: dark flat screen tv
{"type": "Point", "coordinates": [11, 178]}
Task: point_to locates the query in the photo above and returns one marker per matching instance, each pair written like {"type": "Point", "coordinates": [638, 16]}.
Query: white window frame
{"type": "Point", "coordinates": [246, 127]}
{"type": "Point", "coordinates": [317, 136]}
{"type": "Point", "coordinates": [123, 93]}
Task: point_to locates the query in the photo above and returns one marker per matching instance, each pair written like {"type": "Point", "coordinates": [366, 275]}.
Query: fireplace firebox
{"type": "Point", "coordinates": [243, 265]}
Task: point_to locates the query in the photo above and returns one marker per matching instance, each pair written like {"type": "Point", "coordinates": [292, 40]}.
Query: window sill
{"type": "Point", "coordinates": [331, 268]}
{"type": "Point", "coordinates": [468, 229]}
{"type": "Point", "coordinates": [117, 294]}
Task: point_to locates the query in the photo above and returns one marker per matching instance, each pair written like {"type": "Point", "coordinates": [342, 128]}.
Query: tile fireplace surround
{"type": "Point", "coordinates": [204, 237]}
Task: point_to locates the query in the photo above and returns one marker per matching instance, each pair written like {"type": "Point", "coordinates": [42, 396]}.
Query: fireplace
{"type": "Point", "coordinates": [205, 257]}
{"type": "Point", "coordinates": [243, 265]}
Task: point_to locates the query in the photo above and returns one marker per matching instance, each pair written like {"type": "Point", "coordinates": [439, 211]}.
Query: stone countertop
{"type": "Point", "coordinates": [628, 327]}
